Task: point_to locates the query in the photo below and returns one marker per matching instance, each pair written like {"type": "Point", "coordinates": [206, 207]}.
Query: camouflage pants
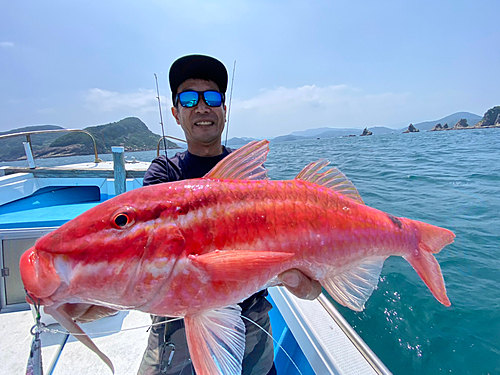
{"type": "Point", "coordinates": [167, 352]}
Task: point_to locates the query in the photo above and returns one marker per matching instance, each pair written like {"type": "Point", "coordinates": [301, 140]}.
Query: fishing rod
{"type": "Point", "coordinates": [165, 142]}
{"type": "Point", "coordinates": [161, 117]}
{"type": "Point", "coordinates": [230, 99]}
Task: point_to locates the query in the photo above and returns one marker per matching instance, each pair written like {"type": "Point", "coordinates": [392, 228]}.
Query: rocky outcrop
{"type": "Point", "coordinates": [461, 124]}
{"type": "Point", "coordinates": [411, 129]}
{"type": "Point", "coordinates": [366, 132]}
{"type": "Point", "coordinates": [490, 119]}
{"type": "Point", "coordinates": [439, 127]}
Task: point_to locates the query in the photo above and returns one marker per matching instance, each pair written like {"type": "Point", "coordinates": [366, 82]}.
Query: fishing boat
{"type": "Point", "coordinates": [311, 337]}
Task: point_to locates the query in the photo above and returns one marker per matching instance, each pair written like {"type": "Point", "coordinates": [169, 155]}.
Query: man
{"type": "Point", "coordinates": [198, 85]}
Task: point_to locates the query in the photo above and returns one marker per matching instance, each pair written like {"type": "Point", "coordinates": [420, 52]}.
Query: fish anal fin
{"type": "Point", "coordinates": [353, 287]}
{"type": "Point", "coordinates": [246, 163]}
{"type": "Point", "coordinates": [63, 318]}
{"type": "Point", "coordinates": [216, 341]}
{"type": "Point", "coordinates": [229, 265]}
{"type": "Point", "coordinates": [331, 178]}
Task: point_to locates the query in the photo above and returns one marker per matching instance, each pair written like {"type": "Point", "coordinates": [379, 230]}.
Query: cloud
{"type": "Point", "coordinates": [141, 101]}
{"type": "Point", "coordinates": [6, 44]}
{"type": "Point", "coordinates": [283, 110]}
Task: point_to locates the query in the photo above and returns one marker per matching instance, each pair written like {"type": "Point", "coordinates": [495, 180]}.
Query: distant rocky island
{"type": "Point", "coordinates": [411, 129]}
{"type": "Point", "coordinates": [131, 133]}
{"type": "Point", "coordinates": [325, 132]}
{"type": "Point", "coordinates": [491, 119]}
{"type": "Point", "coordinates": [366, 132]}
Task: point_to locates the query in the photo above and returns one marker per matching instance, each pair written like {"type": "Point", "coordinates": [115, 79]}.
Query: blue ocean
{"type": "Point", "coordinates": [450, 179]}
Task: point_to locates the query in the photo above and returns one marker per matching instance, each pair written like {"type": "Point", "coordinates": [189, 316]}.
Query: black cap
{"type": "Point", "coordinates": [197, 66]}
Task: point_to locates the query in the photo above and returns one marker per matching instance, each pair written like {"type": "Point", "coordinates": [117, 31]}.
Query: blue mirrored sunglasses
{"type": "Point", "coordinates": [191, 98]}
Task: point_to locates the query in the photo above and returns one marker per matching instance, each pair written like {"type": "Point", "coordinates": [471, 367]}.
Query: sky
{"type": "Point", "coordinates": [298, 64]}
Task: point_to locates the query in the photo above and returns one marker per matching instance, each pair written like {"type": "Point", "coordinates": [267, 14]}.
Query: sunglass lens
{"type": "Point", "coordinates": [188, 98]}
{"type": "Point", "coordinates": [213, 98]}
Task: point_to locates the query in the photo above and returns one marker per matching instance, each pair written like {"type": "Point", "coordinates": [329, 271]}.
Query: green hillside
{"type": "Point", "coordinates": [131, 133]}
{"type": "Point", "coordinates": [12, 148]}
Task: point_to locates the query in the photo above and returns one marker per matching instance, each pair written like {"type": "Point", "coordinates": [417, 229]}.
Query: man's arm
{"type": "Point", "coordinates": [161, 170]}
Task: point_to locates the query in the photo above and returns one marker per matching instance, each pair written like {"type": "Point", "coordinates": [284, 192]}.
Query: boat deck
{"type": "Point", "coordinates": [125, 346]}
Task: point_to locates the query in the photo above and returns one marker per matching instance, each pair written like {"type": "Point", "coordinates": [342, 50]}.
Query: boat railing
{"type": "Point", "coordinates": [353, 336]}
{"type": "Point", "coordinates": [27, 145]}
{"type": "Point", "coordinates": [162, 138]}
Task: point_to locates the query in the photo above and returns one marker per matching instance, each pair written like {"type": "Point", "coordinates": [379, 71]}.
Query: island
{"type": "Point", "coordinates": [411, 129]}
{"type": "Point", "coordinates": [491, 119]}
{"type": "Point", "coordinates": [366, 132]}
{"type": "Point", "coordinates": [130, 132]}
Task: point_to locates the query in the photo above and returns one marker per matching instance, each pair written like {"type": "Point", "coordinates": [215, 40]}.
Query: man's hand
{"type": "Point", "coordinates": [300, 285]}
{"type": "Point", "coordinates": [85, 313]}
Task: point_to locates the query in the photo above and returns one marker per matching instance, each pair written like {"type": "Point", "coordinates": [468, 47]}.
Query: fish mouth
{"type": "Point", "coordinates": [38, 274]}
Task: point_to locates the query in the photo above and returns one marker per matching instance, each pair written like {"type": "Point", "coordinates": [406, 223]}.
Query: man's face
{"type": "Point", "coordinates": [202, 125]}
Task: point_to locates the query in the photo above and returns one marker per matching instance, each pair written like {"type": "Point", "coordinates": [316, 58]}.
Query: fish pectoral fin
{"type": "Point", "coordinates": [216, 341]}
{"type": "Point", "coordinates": [332, 178]}
{"type": "Point", "coordinates": [246, 163]}
{"type": "Point", "coordinates": [64, 319]}
{"type": "Point", "coordinates": [353, 287]}
{"type": "Point", "coordinates": [230, 265]}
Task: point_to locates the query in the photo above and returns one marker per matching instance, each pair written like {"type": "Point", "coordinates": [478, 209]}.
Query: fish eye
{"type": "Point", "coordinates": [123, 218]}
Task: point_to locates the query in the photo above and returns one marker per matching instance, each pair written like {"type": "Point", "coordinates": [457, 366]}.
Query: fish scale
{"type": "Point", "coordinates": [313, 227]}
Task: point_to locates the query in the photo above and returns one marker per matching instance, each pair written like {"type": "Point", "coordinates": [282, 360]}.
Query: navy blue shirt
{"type": "Point", "coordinates": [183, 166]}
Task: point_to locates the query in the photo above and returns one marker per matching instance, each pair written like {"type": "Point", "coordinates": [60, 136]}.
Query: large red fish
{"type": "Point", "coordinates": [195, 248]}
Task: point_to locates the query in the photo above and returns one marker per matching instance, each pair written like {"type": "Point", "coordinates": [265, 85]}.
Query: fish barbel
{"type": "Point", "coordinates": [195, 248]}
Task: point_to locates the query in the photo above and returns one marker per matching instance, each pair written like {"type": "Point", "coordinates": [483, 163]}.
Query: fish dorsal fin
{"type": "Point", "coordinates": [216, 340]}
{"type": "Point", "coordinates": [353, 287]}
{"type": "Point", "coordinates": [332, 178]}
{"type": "Point", "coordinates": [246, 163]}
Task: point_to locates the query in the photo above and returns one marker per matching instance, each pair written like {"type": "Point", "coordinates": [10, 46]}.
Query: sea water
{"type": "Point", "coordinates": [450, 179]}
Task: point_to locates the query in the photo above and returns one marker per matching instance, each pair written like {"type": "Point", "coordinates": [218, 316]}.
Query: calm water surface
{"type": "Point", "coordinates": [450, 179]}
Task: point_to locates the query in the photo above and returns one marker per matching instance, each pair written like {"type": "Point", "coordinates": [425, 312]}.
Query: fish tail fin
{"type": "Point", "coordinates": [432, 240]}
{"type": "Point", "coordinates": [64, 319]}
